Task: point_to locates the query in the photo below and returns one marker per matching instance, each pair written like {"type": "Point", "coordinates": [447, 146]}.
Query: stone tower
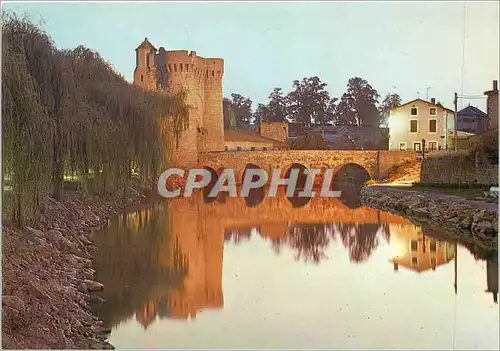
{"type": "Point", "coordinates": [201, 78]}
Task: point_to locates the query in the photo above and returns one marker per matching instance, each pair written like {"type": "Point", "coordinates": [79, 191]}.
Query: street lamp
{"type": "Point", "coordinates": [423, 149]}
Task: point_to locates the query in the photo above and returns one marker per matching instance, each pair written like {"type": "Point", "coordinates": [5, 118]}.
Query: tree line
{"type": "Point", "coordinates": [309, 103]}
{"type": "Point", "coordinates": [310, 241]}
{"type": "Point", "coordinates": [69, 113]}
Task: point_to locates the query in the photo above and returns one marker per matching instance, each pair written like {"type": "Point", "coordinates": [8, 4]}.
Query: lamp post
{"type": "Point", "coordinates": [423, 149]}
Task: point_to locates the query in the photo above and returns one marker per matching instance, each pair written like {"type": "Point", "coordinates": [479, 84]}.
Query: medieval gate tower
{"type": "Point", "coordinates": [202, 80]}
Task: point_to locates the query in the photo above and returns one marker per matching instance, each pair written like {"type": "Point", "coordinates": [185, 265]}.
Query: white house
{"type": "Point", "coordinates": [420, 119]}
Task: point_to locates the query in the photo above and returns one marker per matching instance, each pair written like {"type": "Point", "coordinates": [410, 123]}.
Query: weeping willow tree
{"type": "Point", "coordinates": [68, 112]}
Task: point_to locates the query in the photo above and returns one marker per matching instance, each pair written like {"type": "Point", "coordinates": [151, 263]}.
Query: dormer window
{"type": "Point", "coordinates": [414, 111]}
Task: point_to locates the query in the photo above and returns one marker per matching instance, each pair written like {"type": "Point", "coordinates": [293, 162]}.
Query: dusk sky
{"type": "Point", "coordinates": [396, 46]}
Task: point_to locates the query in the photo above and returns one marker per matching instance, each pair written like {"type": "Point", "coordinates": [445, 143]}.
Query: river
{"type": "Point", "coordinates": [277, 274]}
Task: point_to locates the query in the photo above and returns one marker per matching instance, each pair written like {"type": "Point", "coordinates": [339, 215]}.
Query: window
{"type": "Point", "coordinates": [264, 148]}
{"type": "Point", "coordinates": [238, 148]}
{"type": "Point", "coordinates": [147, 61]}
{"type": "Point", "coordinates": [175, 67]}
{"type": "Point", "coordinates": [433, 246]}
{"type": "Point", "coordinates": [414, 111]}
{"type": "Point", "coordinates": [142, 78]}
{"type": "Point", "coordinates": [413, 126]}
{"type": "Point", "coordinates": [432, 126]}
{"type": "Point", "coordinates": [433, 262]}
{"type": "Point", "coordinates": [414, 261]}
{"type": "Point", "coordinates": [252, 148]}
{"type": "Point", "coordinates": [417, 146]}
{"type": "Point", "coordinates": [414, 245]}
{"type": "Point", "coordinates": [226, 148]}
{"type": "Point", "coordinates": [402, 146]}
{"type": "Point", "coordinates": [433, 111]}
{"type": "Point", "coordinates": [432, 145]}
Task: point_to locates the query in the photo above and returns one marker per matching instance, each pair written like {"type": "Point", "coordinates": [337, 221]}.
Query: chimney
{"type": "Point", "coordinates": [495, 85]}
{"type": "Point", "coordinates": [433, 101]}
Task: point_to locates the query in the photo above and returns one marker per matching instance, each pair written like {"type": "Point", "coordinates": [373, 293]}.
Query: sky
{"type": "Point", "coordinates": [402, 47]}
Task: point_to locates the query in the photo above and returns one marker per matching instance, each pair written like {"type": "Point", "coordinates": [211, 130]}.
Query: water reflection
{"type": "Point", "coordinates": [167, 262]}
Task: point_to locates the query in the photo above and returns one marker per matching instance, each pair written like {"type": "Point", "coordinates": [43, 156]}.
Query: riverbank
{"type": "Point", "coordinates": [47, 274]}
{"type": "Point", "coordinates": [471, 222]}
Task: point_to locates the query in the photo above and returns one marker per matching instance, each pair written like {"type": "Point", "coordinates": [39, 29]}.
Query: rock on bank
{"type": "Point", "coordinates": [47, 274]}
{"type": "Point", "coordinates": [469, 221]}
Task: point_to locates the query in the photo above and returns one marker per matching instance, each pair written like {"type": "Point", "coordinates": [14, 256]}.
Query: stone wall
{"type": "Point", "coordinates": [201, 79]}
{"type": "Point", "coordinates": [458, 168]}
{"type": "Point", "coordinates": [274, 130]}
{"type": "Point", "coordinates": [376, 163]}
{"type": "Point", "coordinates": [463, 221]}
{"type": "Point", "coordinates": [248, 145]}
{"type": "Point", "coordinates": [492, 106]}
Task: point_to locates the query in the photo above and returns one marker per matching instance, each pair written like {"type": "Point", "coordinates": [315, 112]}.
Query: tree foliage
{"type": "Point", "coordinates": [260, 114]}
{"type": "Point", "coordinates": [237, 112]}
{"type": "Point", "coordinates": [278, 107]}
{"type": "Point", "coordinates": [67, 112]}
{"type": "Point", "coordinates": [391, 100]}
{"type": "Point", "coordinates": [310, 141]}
{"type": "Point", "coordinates": [309, 101]}
{"type": "Point", "coordinates": [358, 106]}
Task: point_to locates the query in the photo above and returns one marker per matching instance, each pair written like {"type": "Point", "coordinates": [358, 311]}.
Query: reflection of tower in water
{"type": "Point", "coordinates": [203, 248]}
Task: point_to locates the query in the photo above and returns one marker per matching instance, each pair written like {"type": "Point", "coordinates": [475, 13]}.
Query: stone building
{"type": "Point", "coordinates": [201, 78]}
{"type": "Point", "coordinates": [243, 140]}
{"type": "Point", "coordinates": [492, 105]}
{"type": "Point", "coordinates": [354, 137]}
{"type": "Point", "coordinates": [472, 120]}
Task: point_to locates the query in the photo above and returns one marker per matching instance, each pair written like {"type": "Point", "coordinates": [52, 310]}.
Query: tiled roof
{"type": "Point", "coordinates": [471, 111]}
{"type": "Point", "coordinates": [244, 135]}
{"type": "Point", "coordinates": [425, 101]}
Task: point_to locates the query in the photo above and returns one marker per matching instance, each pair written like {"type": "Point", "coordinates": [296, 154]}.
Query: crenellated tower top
{"type": "Point", "coordinates": [201, 78]}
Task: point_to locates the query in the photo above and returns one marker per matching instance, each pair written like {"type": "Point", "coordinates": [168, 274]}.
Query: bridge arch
{"type": "Point", "coordinates": [301, 179]}
{"type": "Point", "coordinates": [257, 195]}
{"type": "Point", "coordinates": [208, 188]}
{"type": "Point", "coordinates": [296, 200]}
{"type": "Point", "coordinates": [349, 179]}
{"type": "Point", "coordinates": [351, 172]}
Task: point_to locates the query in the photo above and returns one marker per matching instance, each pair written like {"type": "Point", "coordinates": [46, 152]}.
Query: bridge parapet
{"type": "Point", "coordinates": [376, 163]}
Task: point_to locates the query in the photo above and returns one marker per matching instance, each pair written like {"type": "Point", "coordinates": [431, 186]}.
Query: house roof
{"type": "Point", "coordinates": [471, 111]}
{"type": "Point", "coordinates": [424, 101]}
{"type": "Point", "coordinates": [146, 44]}
{"type": "Point", "coordinates": [336, 137]}
{"type": "Point", "coordinates": [491, 92]}
{"type": "Point", "coordinates": [249, 136]}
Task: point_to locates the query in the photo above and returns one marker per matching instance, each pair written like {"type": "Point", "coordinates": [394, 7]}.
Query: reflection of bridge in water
{"type": "Point", "coordinates": [199, 231]}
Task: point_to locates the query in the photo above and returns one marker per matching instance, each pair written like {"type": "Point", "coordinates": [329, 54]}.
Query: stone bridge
{"type": "Point", "coordinates": [376, 163]}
